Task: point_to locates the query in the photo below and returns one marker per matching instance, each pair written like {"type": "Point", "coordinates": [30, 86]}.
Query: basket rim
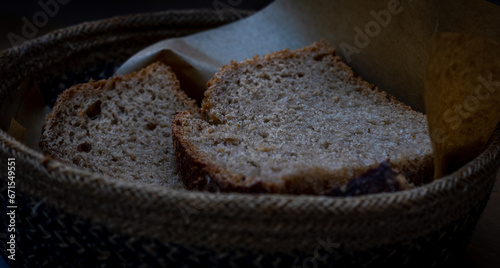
{"type": "Point", "coordinates": [69, 31]}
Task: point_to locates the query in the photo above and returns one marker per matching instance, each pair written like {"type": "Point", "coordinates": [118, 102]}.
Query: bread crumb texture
{"type": "Point", "coordinates": [120, 127]}
{"type": "Point", "coordinates": [298, 122]}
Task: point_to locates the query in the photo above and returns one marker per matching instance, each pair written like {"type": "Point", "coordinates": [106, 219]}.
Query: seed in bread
{"type": "Point", "coordinates": [296, 122]}
{"type": "Point", "coordinates": [120, 127]}
{"type": "Point", "coordinates": [380, 179]}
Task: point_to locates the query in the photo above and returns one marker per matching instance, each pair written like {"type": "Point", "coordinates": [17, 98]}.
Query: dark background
{"type": "Point", "coordinates": [73, 12]}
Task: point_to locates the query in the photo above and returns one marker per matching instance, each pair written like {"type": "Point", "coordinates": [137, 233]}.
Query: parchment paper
{"type": "Point", "coordinates": [385, 41]}
{"type": "Point", "coordinates": [462, 96]}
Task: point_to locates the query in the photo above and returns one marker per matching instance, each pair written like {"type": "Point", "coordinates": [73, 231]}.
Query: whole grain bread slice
{"type": "Point", "coordinates": [120, 127]}
{"type": "Point", "coordinates": [296, 122]}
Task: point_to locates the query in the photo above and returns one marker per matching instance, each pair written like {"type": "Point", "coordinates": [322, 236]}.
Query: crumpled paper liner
{"type": "Point", "coordinates": [462, 96]}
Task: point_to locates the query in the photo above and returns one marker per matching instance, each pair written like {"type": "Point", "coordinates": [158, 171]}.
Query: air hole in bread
{"type": "Point", "coordinates": [150, 126]}
{"type": "Point", "coordinates": [94, 110]}
{"type": "Point", "coordinates": [84, 147]}
{"type": "Point", "coordinates": [253, 163]}
{"type": "Point", "coordinates": [264, 76]}
{"type": "Point", "coordinates": [122, 109]}
{"type": "Point", "coordinates": [326, 144]}
{"type": "Point", "coordinates": [320, 57]}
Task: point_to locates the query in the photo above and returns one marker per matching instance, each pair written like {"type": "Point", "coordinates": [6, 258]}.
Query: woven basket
{"type": "Point", "coordinates": [67, 217]}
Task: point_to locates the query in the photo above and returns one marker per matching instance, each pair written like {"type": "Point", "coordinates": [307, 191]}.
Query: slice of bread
{"type": "Point", "coordinates": [296, 122]}
{"type": "Point", "coordinates": [120, 127]}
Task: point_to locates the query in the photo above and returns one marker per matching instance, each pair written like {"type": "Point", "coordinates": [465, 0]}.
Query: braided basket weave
{"type": "Point", "coordinates": [67, 217]}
